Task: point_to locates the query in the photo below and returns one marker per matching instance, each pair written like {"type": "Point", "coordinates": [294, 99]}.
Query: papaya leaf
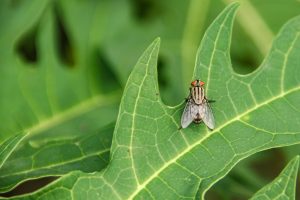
{"type": "Point", "coordinates": [88, 153]}
{"type": "Point", "coordinates": [284, 186]}
{"type": "Point", "coordinates": [43, 96]}
{"type": "Point", "coordinates": [152, 159]}
{"type": "Point", "coordinates": [60, 106]}
{"type": "Point", "coordinates": [8, 146]}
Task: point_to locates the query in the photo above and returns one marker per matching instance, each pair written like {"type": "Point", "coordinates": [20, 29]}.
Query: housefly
{"type": "Point", "coordinates": [197, 107]}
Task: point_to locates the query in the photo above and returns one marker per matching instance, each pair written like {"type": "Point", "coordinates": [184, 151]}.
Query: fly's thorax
{"type": "Point", "coordinates": [197, 94]}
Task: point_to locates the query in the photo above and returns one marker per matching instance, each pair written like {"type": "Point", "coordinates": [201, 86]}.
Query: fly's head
{"type": "Point", "coordinates": [197, 83]}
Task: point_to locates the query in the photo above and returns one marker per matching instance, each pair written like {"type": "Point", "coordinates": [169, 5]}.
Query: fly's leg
{"type": "Point", "coordinates": [189, 97]}
{"type": "Point", "coordinates": [209, 100]}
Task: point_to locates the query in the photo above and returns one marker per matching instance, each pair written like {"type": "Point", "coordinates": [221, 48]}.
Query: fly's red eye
{"type": "Point", "coordinates": [194, 83]}
{"type": "Point", "coordinates": [201, 83]}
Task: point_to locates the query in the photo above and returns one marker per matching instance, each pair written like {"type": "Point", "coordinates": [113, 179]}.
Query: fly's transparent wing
{"type": "Point", "coordinates": [189, 113]}
{"type": "Point", "coordinates": [207, 115]}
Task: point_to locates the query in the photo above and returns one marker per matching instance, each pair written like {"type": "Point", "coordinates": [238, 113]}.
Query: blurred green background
{"type": "Point", "coordinates": [63, 65]}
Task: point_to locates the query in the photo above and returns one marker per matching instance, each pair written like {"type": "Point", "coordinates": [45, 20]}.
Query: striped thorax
{"type": "Point", "coordinates": [197, 91]}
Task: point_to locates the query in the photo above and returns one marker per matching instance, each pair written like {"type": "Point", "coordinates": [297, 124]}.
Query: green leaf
{"type": "Point", "coordinates": [55, 103]}
{"type": "Point", "coordinates": [152, 159]}
{"type": "Point", "coordinates": [88, 153]}
{"type": "Point", "coordinates": [7, 147]}
{"type": "Point", "coordinates": [138, 22]}
{"type": "Point", "coordinates": [44, 95]}
{"type": "Point", "coordinates": [284, 186]}
{"type": "Point", "coordinates": [256, 25]}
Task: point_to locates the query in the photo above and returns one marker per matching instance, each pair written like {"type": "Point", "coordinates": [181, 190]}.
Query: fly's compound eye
{"type": "Point", "coordinates": [194, 83]}
{"type": "Point", "coordinates": [201, 83]}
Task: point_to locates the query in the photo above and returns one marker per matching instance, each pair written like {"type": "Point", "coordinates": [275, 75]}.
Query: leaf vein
{"type": "Point", "coordinates": [170, 162]}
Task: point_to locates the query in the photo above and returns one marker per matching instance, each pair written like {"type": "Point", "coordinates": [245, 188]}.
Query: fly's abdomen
{"type": "Point", "coordinates": [197, 94]}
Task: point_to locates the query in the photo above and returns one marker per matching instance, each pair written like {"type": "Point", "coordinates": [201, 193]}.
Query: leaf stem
{"type": "Point", "coordinates": [193, 30]}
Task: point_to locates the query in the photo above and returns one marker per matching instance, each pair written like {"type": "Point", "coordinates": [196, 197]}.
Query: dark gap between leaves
{"type": "Point", "coordinates": [272, 166]}
{"type": "Point", "coordinates": [244, 64]}
{"type": "Point", "coordinates": [26, 46]}
{"type": "Point", "coordinates": [65, 49]}
{"type": "Point", "coordinates": [29, 186]}
{"type": "Point", "coordinates": [146, 10]}
{"type": "Point", "coordinates": [162, 73]}
{"type": "Point", "coordinates": [268, 165]}
{"type": "Point", "coordinates": [245, 56]}
{"type": "Point", "coordinates": [103, 72]}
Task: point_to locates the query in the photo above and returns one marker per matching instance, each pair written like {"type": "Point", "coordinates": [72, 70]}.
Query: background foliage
{"type": "Point", "coordinates": [63, 65]}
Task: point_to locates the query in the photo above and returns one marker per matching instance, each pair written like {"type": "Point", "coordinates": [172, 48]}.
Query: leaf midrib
{"type": "Point", "coordinates": [280, 95]}
{"type": "Point", "coordinates": [72, 112]}
{"type": "Point", "coordinates": [98, 153]}
{"type": "Point", "coordinates": [7, 146]}
{"type": "Point", "coordinates": [133, 124]}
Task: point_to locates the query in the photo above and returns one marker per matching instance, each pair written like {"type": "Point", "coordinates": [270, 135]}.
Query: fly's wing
{"type": "Point", "coordinates": [207, 115]}
{"type": "Point", "coordinates": [189, 114]}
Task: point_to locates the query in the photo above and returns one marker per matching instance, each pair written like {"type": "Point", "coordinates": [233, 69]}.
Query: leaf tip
{"type": "Point", "coordinates": [294, 163]}
{"type": "Point", "coordinates": [156, 42]}
{"type": "Point", "coordinates": [234, 4]}
{"type": "Point", "coordinates": [296, 160]}
{"type": "Point", "coordinates": [232, 7]}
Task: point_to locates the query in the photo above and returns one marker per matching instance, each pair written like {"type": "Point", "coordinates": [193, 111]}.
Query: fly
{"type": "Point", "coordinates": [197, 107]}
